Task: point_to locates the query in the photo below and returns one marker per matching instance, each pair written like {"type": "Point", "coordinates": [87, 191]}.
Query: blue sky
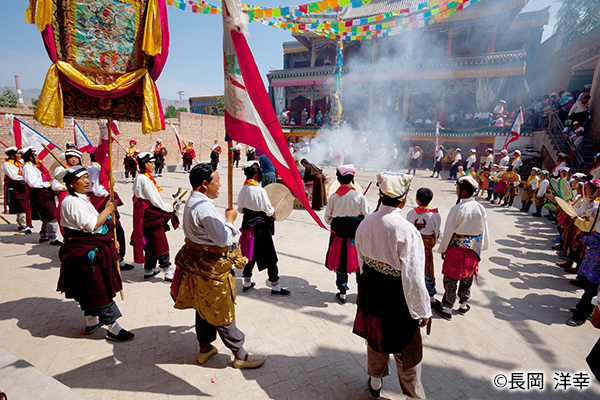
{"type": "Point", "coordinates": [195, 58]}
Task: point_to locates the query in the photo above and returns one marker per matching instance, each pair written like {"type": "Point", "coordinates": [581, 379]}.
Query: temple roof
{"type": "Point", "coordinates": [532, 19]}
{"type": "Point", "coordinates": [510, 63]}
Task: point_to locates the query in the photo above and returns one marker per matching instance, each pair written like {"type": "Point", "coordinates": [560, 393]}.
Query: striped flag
{"type": "Point", "coordinates": [82, 143]}
{"type": "Point", "coordinates": [26, 136]}
{"type": "Point", "coordinates": [249, 115]}
{"type": "Point", "coordinates": [515, 129]}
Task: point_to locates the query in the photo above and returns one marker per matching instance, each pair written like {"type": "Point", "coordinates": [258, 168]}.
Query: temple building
{"type": "Point", "coordinates": [204, 105]}
{"type": "Point", "coordinates": [442, 72]}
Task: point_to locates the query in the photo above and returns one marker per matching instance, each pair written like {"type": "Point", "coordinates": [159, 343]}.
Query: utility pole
{"type": "Point", "coordinates": [180, 93]}
{"type": "Point", "coordinates": [21, 103]}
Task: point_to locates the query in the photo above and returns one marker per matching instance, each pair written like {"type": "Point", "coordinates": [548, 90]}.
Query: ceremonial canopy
{"type": "Point", "coordinates": [106, 56]}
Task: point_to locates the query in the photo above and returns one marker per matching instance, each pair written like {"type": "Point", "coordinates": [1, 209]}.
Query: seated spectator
{"type": "Point", "coordinates": [499, 123]}
{"type": "Point", "coordinates": [579, 111]}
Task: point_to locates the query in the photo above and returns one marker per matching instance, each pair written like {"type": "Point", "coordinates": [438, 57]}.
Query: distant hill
{"type": "Point", "coordinates": [29, 94]}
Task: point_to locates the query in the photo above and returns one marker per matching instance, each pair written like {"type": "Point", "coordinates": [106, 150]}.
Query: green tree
{"type": "Point", "coordinates": [34, 103]}
{"type": "Point", "coordinates": [221, 105]}
{"type": "Point", "coordinates": [576, 18]}
{"type": "Point", "coordinates": [182, 109]}
{"type": "Point", "coordinates": [8, 98]}
{"type": "Point", "coordinates": [170, 112]}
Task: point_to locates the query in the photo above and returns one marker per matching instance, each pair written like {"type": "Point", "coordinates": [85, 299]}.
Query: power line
{"type": "Point", "coordinates": [180, 93]}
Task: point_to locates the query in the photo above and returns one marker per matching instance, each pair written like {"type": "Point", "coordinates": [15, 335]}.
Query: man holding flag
{"type": "Point", "coordinates": [249, 115]}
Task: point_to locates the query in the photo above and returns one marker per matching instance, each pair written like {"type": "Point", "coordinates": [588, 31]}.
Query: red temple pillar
{"type": "Point", "coordinates": [449, 46]}
{"type": "Point", "coordinates": [493, 42]}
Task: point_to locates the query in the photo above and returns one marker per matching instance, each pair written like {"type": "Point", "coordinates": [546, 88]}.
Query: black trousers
{"type": "Point", "coordinates": [272, 271]}
{"type": "Point", "coordinates": [231, 336]}
{"type": "Point", "coordinates": [107, 315]}
{"type": "Point", "coordinates": [585, 308]}
{"type": "Point", "coordinates": [163, 262]}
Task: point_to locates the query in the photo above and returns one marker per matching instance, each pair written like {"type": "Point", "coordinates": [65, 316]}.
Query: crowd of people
{"type": "Point", "coordinates": [391, 255]}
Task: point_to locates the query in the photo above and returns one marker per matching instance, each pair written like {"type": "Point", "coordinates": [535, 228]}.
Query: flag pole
{"type": "Point", "coordinates": [52, 154]}
{"type": "Point", "coordinates": [229, 173]}
{"type": "Point", "coordinates": [3, 144]}
{"type": "Point", "coordinates": [111, 182]}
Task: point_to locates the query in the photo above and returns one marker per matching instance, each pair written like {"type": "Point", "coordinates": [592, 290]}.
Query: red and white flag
{"type": "Point", "coordinates": [82, 143]}
{"type": "Point", "coordinates": [515, 129]}
{"type": "Point", "coordinates": [249, 115]}
{"type": "Point", "coordinates": [26, 136]}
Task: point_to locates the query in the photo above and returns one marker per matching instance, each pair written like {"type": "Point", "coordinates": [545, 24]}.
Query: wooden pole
{"type": "Point", "coordinates": [111, 182]}
{"type": "Point", "coordinates": [229, 174]}
{"type": "Point", "coordinates": [52, 154]}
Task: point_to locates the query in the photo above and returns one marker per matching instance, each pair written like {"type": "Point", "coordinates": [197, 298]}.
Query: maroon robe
{"type": "Point", "coordinates": [88, 270]}
{"type": "Point", "coordinates": [150, 225]}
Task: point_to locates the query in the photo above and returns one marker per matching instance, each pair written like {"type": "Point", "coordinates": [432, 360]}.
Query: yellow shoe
{"type": "Point", "coordinates": [251, 363]}
{"type": "Point", "coordinates": [204, 357]}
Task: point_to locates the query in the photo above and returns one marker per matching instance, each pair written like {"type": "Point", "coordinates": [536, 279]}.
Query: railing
{"type": "Point", "coordinates": [555, 130]}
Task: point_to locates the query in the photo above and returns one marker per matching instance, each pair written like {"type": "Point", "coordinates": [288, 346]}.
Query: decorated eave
{"type": "Point", "coordinates": [510, 63]}
{"type": "Point", "coordinates": [533, 19]}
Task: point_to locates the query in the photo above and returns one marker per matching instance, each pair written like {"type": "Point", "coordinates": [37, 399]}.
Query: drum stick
{"type": "Point", "coordinates": [365, 193]}
{"type": "Point", "coordinates": [429, 326]}
{"type": "Point", "coordinates": [5, 220]}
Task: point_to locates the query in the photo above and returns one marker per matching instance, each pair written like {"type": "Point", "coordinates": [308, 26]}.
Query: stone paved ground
{"type": "Point", "coordinates": [517, 321]}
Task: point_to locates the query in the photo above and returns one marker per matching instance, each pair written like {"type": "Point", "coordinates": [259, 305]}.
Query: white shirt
{"type": "Point", "coordinates": [416, 155]}
{"type": "Point", "coordinates": [214, 146]}
{"type": "Point", "coordinates": [95, 186]}
{"type": "Point", "coordinates": [466, 218]}
{"type": "Point", "coordinates": [457, 159]}
{"type": "Point", "coordinates": [543, 185]}
{"type": "Point", "coordinates": [33, 176]}
{"type": "Point", "coordinates": [489, 160]}
{"type": "Point", "coordinates": [77, 213]}
{"type": "Point", "coordinates": [534, 183]}
{"type": "Point", "coordinates": [588, 207]}
{"type": "Point", "coordinates": [471, 160]}
{"type": "Point", "coordinates": [439, 155]}
{"type": "Point", "coordinates": [352, 204]}
{"type": "Point", "coordinates": [12, 172]}
{"type": "Point", "coordinates": [497, 109]}
{"type": "Point", "coordinates": [504, 161]}
{"type": "Point", "coordinates": [386, 236]}
{"type": "Point", "coordinates": [254, 198]}
{"type": "Point", "coordinates": [428, 223]}
{"type": "Point", "coordinates": [143, 188]}
{"type": "Point", "coordinates": [468, 116]}
{"type": "Point", "coordinates": [204, 224]}
{"type": "Point", "coordinates": [517, 163]}
{"type": "Point", "coordinates": [58, 185]}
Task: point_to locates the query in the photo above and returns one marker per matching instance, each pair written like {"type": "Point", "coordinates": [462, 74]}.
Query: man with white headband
{"type": "Point", "coordinates": [14, 188]}
{"type": "Point", "coordinates": [465, 236]}
{"type": "Point", "coordinates": [88, 270]}
{"type": "Point", "coordinates": [345, 211]}
{"type": "Point", "coordinates": [393, 302]}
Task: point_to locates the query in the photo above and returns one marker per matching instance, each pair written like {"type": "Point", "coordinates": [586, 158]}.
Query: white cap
{"type": "Point", "coordinates": [394, 185]}
{"type": "Point", "coordinates": [469, 179]}
{"type": "Point", "coordinates": [158, 140]}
